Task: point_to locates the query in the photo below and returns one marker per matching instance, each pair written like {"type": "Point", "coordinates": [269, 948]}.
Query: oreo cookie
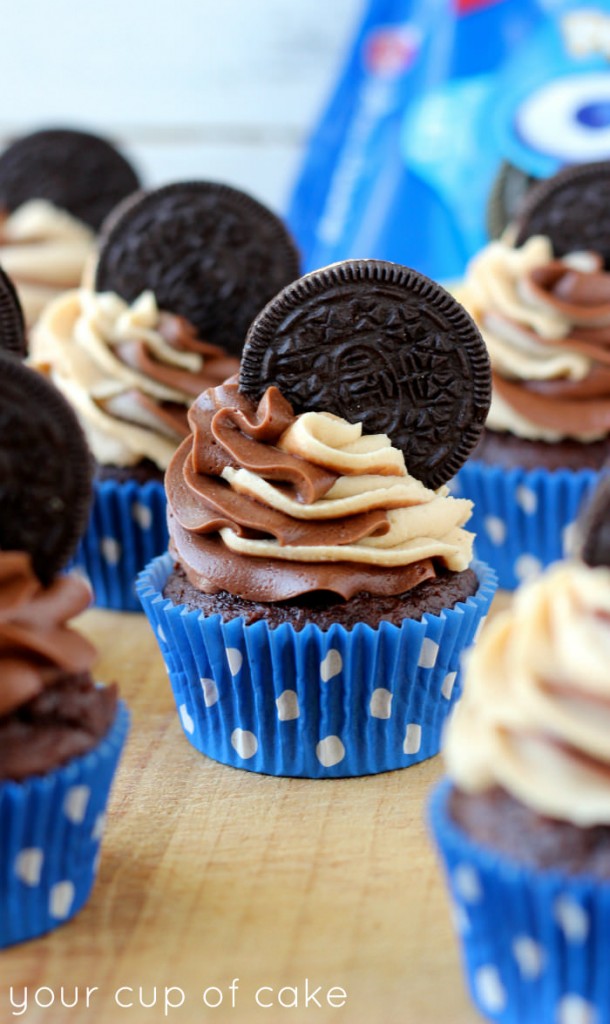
{"type": "Point", "coordinates": [593, 526]}
{"type": "Point", "coordinates": [376, 342]}
{"type": "Point", "coordinates": [45, 470]}
{"type": "Point", "coordinates": [12, 324]}
{"type": "Point", "coordinates": [208, 252]}
{"type": "Point", "coordinates": [572, 209]}
{"type": "Point", "coordinates": [74, 170]}
{"type": "Point", "coordinates": [506, 198]}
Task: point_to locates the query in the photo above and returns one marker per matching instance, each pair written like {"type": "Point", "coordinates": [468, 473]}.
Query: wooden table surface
{"type": "Point", "coordinates": [211, 874]}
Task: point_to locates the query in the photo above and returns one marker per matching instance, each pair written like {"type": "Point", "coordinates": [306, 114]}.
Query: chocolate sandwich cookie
{"type": "Point", "coordinates": [572, 209]}
{"type": "Point", "coordinates": [507, 195]}
{"type": "Point", "coordinates": [594, 526]}
{"type": "Point", "coordinates": [12, 324]}
{"type": "Point", "coordinates": [45, 479]}
{"type": "Point", "coordinates": [74, 170]}
{"type": "Point", "coordinates": [208, 252]}
{"type": "Point", "coordinates": [380, 344]}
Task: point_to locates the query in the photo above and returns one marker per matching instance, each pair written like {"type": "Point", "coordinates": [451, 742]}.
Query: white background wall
{"type": "Point", "coordinates": [220, 89]}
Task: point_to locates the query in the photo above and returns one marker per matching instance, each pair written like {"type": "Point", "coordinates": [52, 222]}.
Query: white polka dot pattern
{"type": "Point", "coordinates": [28, 866]}
{"type": "Point", "coordinates": [530, 957]}
{"type": "Point", "coordinates": [76, 802]}
{"type": "Point", "coordinates": [428, 653]}
{"type": "Point", "coordinates": [142, 515]}
{"type": "Point", "coordinates": [412, 738]}
{"type": "Point", "coordinates": [330, 751]}
{"type": "Point", "coordinates": [210, 692]}
{"type": "Point", "coordinates": [235, 660]}
{"type": "Point", "coordinates": [489, 989]}
{"type": "Point", "coordinates": [572, 919]}
{"type": "Point", "coordinates": [287, 706]}
{"type": "Point", "coordinates": [244, 743]}
{"type": "Point", "coordinates": [331, 665]}
{"type": "Point", "coordinates": [111, 550]}
{"type": "Point", "coordinates": [61, 899]}
{"type": "Point", "coordinates": [575, 1010]}
{"type": "Point", "coordinates": [495, 528]}
{"type": "Point", "coordinates": [380, 705]}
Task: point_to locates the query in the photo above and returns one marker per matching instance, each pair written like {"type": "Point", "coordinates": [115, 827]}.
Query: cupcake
{"type": "Point", "coordinates": [318, 590]}
{"type": "Point", "coordinates": [180, 273]}
{"type": "Point", "coordinates": [542, 302]}
{"type": "Point", "coordinates": [56, 188]}
{"type": "Point", "coordinates": [61, 734]}
{"type": "Point", "coordinates": [523, 821]}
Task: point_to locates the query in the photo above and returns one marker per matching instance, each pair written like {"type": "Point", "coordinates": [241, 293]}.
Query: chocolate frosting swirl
{"type": "Point", "coordinates": [37, 646]}
{"type": "Point", "coordinates": [546, 323]}
{"type": "Point", "coordinates": [269, 506]}
{"type": "Point", "coordinates": [131, 372]}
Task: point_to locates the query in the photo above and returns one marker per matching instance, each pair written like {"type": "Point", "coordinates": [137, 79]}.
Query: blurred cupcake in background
{"type": "Point", "coordinates": [61, 734]}
{"type": "Point", "coordinates": [541, 297]}
{"type": "Point", "coordinates": [523, 822]}
{"type": "Point", "coordinates": [180, 273]}
{"type": "Point", "coordinates": [319, 590]}
{"type": "Point", "coordinates": [56, 188]}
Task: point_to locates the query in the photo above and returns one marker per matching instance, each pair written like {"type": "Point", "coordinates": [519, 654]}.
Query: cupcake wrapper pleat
{"type": "Point", "coordinates": [312, 703]}
{"type": "Point", "coordinates": [523, 519]}
{"type": "Point", "coordinates": [51, 828]}
{"type": "Point", "coordinates": [127, 527]}
{"type": "Point", "coordinates": [534, 943]}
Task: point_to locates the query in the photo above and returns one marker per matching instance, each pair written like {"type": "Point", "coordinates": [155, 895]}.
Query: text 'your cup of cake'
{"type": "Point", "coordinates": [319, 591]}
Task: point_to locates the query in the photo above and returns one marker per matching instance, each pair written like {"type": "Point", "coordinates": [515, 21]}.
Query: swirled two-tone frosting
{"type": "Point", "coordinates": [37, 645]}
{"type": "Point", "coordinates": [44, 251]}
{"type": "Point", "coordinates": [268, 505]}
{"type": "Point", "coordinates": [546, 323]}
{"type": "Point", "coordinates": [535, 715]}
{"type": "Point", "coordinates": [130, 371]}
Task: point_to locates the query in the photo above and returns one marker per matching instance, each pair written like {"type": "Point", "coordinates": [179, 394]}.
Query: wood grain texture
{"type": "Point", "coordinates": [209, 874]}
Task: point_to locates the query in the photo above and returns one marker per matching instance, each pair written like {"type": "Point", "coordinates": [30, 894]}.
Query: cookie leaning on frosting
{"type": "Point", "coordinates": [179, 268]}
{"type": "Point", "coordinates": [61, 734]}
{"type": "Point", "coordinates": [541, 297]}
{"type": "Point", "coordinates": [523, 822]}
{"type": "Point", "coordinates": [56, 187]}
{"type": "Point", "coordinates": [333, 580]}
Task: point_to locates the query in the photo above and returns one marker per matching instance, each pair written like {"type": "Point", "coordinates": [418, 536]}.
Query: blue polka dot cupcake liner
{"type": "Point", "coordinates": [127, 528]}
{"type": "Point", "coordinates": [51, 828]}
{"type": "Point", "coordinates": [312, 703]}
{"type": "Point", "coordinates": [534, 943]}
{"type": "Point", "coordinates": [523, 519]}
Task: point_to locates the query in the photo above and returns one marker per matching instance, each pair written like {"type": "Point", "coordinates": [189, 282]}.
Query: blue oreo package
{"type": "Point", "coordinates": [441, 105]}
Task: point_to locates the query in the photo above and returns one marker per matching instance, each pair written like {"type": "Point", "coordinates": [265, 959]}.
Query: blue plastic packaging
{"type": "Point", "coordinates": [434, 97]}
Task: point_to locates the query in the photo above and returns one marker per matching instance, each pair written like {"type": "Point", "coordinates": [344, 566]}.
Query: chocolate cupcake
{"type": "Point", "coordinates": [543, 307]}
{"type": "Point", "coordinates": [56, 187]}
{"type": "Point", "coordinates": [61, 734]}
{"type": "Point", "coordinates": [318, 594]}
{"type": "Point", "coordinates": [523, 822]}
{"type": "Point", "coordinates": [174, 279]}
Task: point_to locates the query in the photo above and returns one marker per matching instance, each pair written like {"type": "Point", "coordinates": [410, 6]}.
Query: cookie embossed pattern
{"type": "Point", "coordinates": [317, 596]}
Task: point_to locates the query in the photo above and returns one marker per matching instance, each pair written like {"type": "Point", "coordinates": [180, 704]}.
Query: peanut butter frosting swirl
{"type": "Point", "coordinates": [269, 505]}
{"type": "Point", "coordinates": [37, 645]}
{"type": "Point", "coordinates": [44, 251]}
{"type": "Point", "coordinates": [535, 715]}
{"type": "Point", "coordinates": [546, 323]}
{"type": "Point", "coordinates": [130, 371]}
